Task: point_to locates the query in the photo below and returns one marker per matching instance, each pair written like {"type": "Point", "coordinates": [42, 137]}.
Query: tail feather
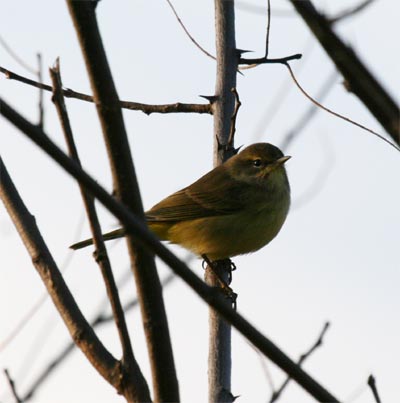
{"type": "Point", "coordinates": [118, 233]}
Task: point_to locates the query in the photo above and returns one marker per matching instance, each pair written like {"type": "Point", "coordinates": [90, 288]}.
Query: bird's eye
{"type": "Point", "coordinates": [257, 162]}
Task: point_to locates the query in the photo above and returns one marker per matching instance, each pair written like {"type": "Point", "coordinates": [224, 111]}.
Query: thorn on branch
{"type": "Point", "coordinates": [210, 98]}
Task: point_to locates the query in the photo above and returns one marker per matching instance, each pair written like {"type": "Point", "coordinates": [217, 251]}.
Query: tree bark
{"type": "Point", "coordinates": [219, 354]}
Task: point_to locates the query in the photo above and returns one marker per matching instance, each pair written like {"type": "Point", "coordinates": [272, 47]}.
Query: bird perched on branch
{"type": "Point", "coordinates": [236, 208]}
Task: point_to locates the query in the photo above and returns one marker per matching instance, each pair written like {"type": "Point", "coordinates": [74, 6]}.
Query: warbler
{"type": "Point", "coordinates": [236, 208]}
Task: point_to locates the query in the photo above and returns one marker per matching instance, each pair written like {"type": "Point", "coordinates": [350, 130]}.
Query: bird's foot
{"type": "Point", "coordinates": [218, 267]}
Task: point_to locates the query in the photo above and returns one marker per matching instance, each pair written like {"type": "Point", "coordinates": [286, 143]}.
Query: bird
{"type": "Point", "coordinates": [235, 209]}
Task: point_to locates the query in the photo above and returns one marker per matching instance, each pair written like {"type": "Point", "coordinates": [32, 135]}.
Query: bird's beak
{"type": "Point", "coordinates": [282, 160]}
{"type": "Point", "coordinates": [275, 165]}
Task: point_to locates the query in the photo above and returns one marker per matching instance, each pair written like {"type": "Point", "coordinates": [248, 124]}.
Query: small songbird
{"type": "Point", "coordinates": [236, 208]}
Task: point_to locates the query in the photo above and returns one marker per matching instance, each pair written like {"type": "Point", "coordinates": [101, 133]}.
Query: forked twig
{"type": "Point", "coordinates": [276, 394]}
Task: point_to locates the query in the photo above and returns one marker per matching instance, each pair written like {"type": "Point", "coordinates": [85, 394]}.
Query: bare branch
{"type": "Point", "coordinates": [101, 255]}
{"type": "Point", "coordinates": [28, 316]}
{"type": "Point", "coordinates": [176, 107]}
{"type": "Point", "coordinates": [100, 319]}
{"type": "Point", "coordinates": [12, 386]}
{"type": "Point", "coordinates": [372, 385]}
{"type": "Point", "coordinates": [350, 12]}
{"type": "Point", "coordinates": [219, 335]}
{"type": "Point", "coordinates": [264, 60]}
{"type": "Point", "coordinates": [338, 115]}
{"type": "Point", "coordinates": [299, 125]}
{"type": "Point", "coordinates": [187, 32]}
{"type": "Point", "coordinates": [80, 330]}
{"type": "Point", "coordinates": [16, 57]}
{"type": "Point", "coordinates": [154, 318]}
{"type": "Point", "coordinates": [268, 29]}
{"type": "Point", "coordinates": [318, 343]}
{"type": "Point", "coordinates": [141, 233]}
{"type": "Point", "coordinates": [40, 102]}
{"type": "Point", "coordinates": [359, 79]}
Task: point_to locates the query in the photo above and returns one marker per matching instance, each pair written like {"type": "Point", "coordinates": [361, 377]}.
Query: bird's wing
{"type": "Point", "coordinates": [216, 193]}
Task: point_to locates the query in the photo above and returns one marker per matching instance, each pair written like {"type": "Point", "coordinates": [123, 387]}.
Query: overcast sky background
{"type": "Point", "coordinates": [336, 258]}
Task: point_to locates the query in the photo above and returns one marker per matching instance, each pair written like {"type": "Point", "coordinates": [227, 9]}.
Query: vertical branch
{"type": "Point", "coordinates": [227, 64]}
{"type": "Point", "coordinates": [268, 29]}
{"type": "Point", "coordinates": [148, 285]}
{"type": "Point", "coordinates": [219, 354]}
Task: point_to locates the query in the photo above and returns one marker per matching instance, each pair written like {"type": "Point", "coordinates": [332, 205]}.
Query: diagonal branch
{"type": "Point", "coordinates": [80, 330]}
{"type": "Point", "coordinates": [12, 386]}
{"type": "Point", "coordinates": [101, 318]}
{"type": "Point", "coordinates": [177, 107]}
{"type": "Point", "coordinates": [137, 229]}
{"type": "Point", "coordinates": [372, 384]}
{"type": "Point", "coordinates": [187, 32]}
{"type": "Point", "coordinates": [165, 382]}
{"type": "Point", "coordinates": [101, 253]}
{"type": "Point", "coordinates": [350, 11]}
{"type": "Point", "coordinates": [359, 79]}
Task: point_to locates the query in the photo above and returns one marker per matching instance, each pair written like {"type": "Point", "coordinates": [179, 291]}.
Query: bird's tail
{"type": "Point", "coordinates": [117, 233]}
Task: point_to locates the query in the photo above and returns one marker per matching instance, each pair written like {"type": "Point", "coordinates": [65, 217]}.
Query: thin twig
{"type": "Point", "coordinates": [260, 10]}
{"type": "Point", "coordinates": [360, 81]}
{"type": "Point", "coordinates": [80, 330]}
{"type": "Point", "coordinates": [263, 60]}
{"type": "Point", "coordinates": [176, 107]}
{"type": "Point", "coordinates": [141, 234]}
{"type": "Point", "coordinates": [88, 201]}
{"type": "Point", "coordinates": [277, 393]}
{"type": "Point", "coordinates": [28, 316]}
{"type": "Point", "coordinates": [338, 114]}
{"type": "Point", "coordinates": [40, 102]}
{"type": "Point", "coordinates": [16, 57]}
{"type": "Point", "coordinates": [350, 12]}
{"type": "Point", "coordinates": [372, 385]}
{"type": "Point", "coordinates": [268, 29]}
{"type": "Point", "coordinates": [188, 33]}
{"type": "Point", "coordinates": [277, 99]}
{"type": "Point", "coordinates": [299, 125]}
{"type": "Point", "coordinates": [12, 386]}
{"type": "Point", "coordinates": [100, 319]}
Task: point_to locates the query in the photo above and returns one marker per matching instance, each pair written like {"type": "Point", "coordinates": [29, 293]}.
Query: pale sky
{"type": "Point", "coordinates": [336, 258]}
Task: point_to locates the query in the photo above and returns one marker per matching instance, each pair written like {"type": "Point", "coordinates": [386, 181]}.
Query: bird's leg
{"type": "Point", "coordinates": [218, 265]}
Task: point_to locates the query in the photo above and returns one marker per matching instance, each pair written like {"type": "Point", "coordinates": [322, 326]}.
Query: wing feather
{"type": "Point", "coordinates": [214, 194]}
